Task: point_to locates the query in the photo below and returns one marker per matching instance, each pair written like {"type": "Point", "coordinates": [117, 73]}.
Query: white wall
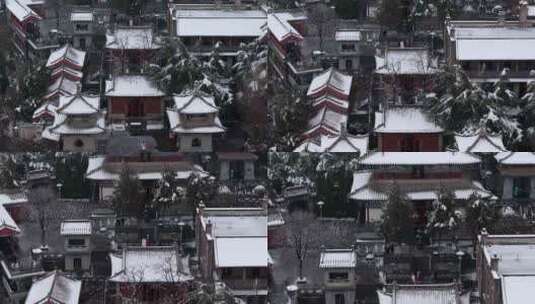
{"type": "Point", "coordinates": [185, 140]}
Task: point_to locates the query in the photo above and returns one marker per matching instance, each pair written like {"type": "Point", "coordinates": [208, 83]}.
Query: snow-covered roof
{"type": "Point", "coordinates": [241, 252]}
{"type": "Point", "coordinates": [66, 70]}
{"type": "Point", "coordinates": [421, 294]}
{"type": "Point", "coordinates": [405, 120]}
{"type": "Point", "coordinates": [6, 221]}
{"type": "Point", "coordinates": [406, 61]}
{"type": "Point", "coordinates": [176, 125]}
{"type": "Point", "coordinates": [336, 144]}
{"type": "Point", "coordinates": [7, 199]}
{"type": "Point", "coordinates": [195, 103]}
{"type": "Point", "coordinates": [97, 170]}
{"type": "Point", "coordinates": [338, 258]}
{"type": "Point", "coordinates": [514, 259]}
{"type": "Point", "coordinates": [330, 100]}
{"type": "Point", "coordinates": [131, 38]}
{"type": "Point", "coordinates": [132, 86]}
{"type": "Point", "coordinates": [332, 79]}
{"type": "Point", "coordinates": [238, 226]}
{"type": "Point", "coordinates": [517, 289]}
{"type": "Point", "coordinates": [78, 104]}
{"type": "Point", "coordinates": [418, 158]}
{"type": "Point", "coordinates": [279, 24]}
{"type": "Point", "coordinates": [363, 190]}
{"type": "Point", "coordinates": [65, 125]}
{"type": "Point", "coordinates": [54, 288]}
{"type": "Point", "coordinates": [516, 158]}
{"type": "Point", "coordinates": [47, 108]}
{"type": "Point", "coordinates": [76, 227]}
{"type": "Point", "coordinates": [219, 23]}
{"type": "Point", "coordinates": [347, 35]}
{"type": "Point", "coordinates": [68, 53]}
{"type": "Point", "coordinates": [150, 265]}
{"type": "Point", "coordinates": [327, 119]}
{"type": "Point", "coordinates": [82, 16]}
{"type": "Point", "coordinates": [499, 43]}
{"type": "Point", "coordinates": [482, 142]}
{"type": "Point", "coordinates": [62, 86]}
{"type": "Point", "coordinates": [21, 9]}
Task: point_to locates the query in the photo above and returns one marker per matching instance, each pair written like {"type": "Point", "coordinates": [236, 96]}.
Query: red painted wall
{"type": "Point", "coordinates": [392, 142]}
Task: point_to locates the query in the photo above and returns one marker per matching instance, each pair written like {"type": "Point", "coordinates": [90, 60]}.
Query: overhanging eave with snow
{"type": "Point", "coordinates": [387, 159]}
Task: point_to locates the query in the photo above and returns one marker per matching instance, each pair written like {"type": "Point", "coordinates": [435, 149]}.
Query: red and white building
{"type": "Point", "coordinates": [419, 175]}
{"type": "Point", "coordinates": [194, 120]}
{"type": "Point", "coordinates": [407, 129]}
{"type": "Point", "coordinates": [150, 274]}
{"type": "Point", "coordinates": [134, 100]}
{"type": "Point", "coordinates": [78, 123]}
{"type": "Point", "coordinates": [233, 249]}
{"type": "Point", "coordinates": [130, 48]}
{"type": "Point", "coordinates": [54, 288]}
{"type": "Point", "coordinates": [329, 94]}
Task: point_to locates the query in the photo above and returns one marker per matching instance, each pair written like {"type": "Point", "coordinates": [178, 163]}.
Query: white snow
{"type": "Point", "coordinates": [21, 10]}
{"type": "Point", "coordinates": [78, 104]}
{"type": "Point", "coordinates": [219, 23]}
{"type": "Point", "coordinates": [279, 25]}
{"type": "Point", "coordinates": [54, 288]}
{"type": "Point", "coordinates": [336, 144]}
{"type": "Point", "coordinates": [421, 294]}
{"type": "Point", "coordinates": [419, 158]}
{"type": "Point", "coordinates": [405, 120]}
{"type": "Point", "coordinates": [132, 86]}
{"type": "Point", "coordinates": [150, 265]}
{"type": "Point", "coordinates": [13, 198]}
{"type": "Point", "coordinates": [406, 61]}
{"type": "Point", "coordinates": [332, 79]}
{"type": "Point", "coordinates": [241, 252]}
{"type": "Point", "coordinates": [76, 227]}
{"type": "Point", "coordinates": [68, 53]}
{"type": "Point", "coordinates": [518, 289]}
{"type": "Point", "coordinates": [329, 120]}
{"type": "Point", "coordinates": [516, 158]}
{"type": "Point", "coordinates": [81, 16]}
{"type": "Point", "coordinates": [177, 127]}
{"type": "Point", "coordinates": [347, 35]}
{"type": "Point", "coordinates": [6, 221]}
{"type": "Point", "coordinates": [338, 258]}
{"type": "Point", "coordinates": [131, 38]}
{"type": "Point", "coordinates": [499, 43]}
{"type": "Point", "coordinates": [64, 124]}
{"type": "Point", "coordinates": [237, 226]}
{"type": "Point", "coordinates": [195, 104]}
{"type": "Point", "coordinates": [480, 143]}
{"type": "Point", "coordinates": [62, 86]}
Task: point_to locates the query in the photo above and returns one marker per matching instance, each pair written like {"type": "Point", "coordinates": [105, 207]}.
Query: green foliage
{"type": "Point", "coordinates": [348, 9]}
{"type": "Point", "coordinates": [128, 197]}
{"type": "Point", "coordinates": [33, 86]}
{"type": "Point", "coordinates": [9, 174]}
{"type": "Point", "coordinates": [169, 192]}
{"type": "Point", "coordinates": [480, 213]}
{"type": "Point", "coordinates": [391, 15]}
{"type": "Point", "coordinates": [70, 171]}
{"type": "Point", "coordinates": [398, 226]}
{"type": "Point", "coordinates": [443, 216]}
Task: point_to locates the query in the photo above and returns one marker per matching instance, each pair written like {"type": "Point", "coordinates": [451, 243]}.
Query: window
{"type": "Point", "coordinates": [521, 187]}
{"type": "Point", "coordinates": [78, 143]}
{"type": "Point", "coordinates": [77, 263]}
{"type": "Point", "coordinates": [196, 142]}
{"type": "Point", "coordinates": [338, 276]}
{"type": "Point", "coordinates": [82, 43]}
{"type": "Point", "coordinates": [82, 27]}
{"type": "Point", "coordinates": [339, 298]}
{"type": "Point", "coordinates": [76, 242]}
{"type": "Point", "coordinates": [349, 65]}
{"type": "Point", "coordinates": [348, 47]}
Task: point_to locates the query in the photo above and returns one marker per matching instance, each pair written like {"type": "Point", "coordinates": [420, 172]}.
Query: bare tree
{"type": "Point", "coordinates": [41, 199]}
{"type": "Point", "coordinates": [322, 17]}
{"type": "Point", "coordinates": [301, 236]}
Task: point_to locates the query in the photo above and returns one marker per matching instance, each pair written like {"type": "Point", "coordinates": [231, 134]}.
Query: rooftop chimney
{"type": "Point", "coordinates": [494, 262]}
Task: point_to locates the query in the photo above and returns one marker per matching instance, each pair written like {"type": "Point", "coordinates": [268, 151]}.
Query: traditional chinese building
{"type": "Point", "coordinates": [404, 73]}
{"type": "Point", "coordinates": [135, 102]}
{"type": "Point", "coordinates": [338, 271]}
{"type": "Point", "coordinates": [480, 142]}
{"type": "Point", "coordinates": [55, 288]}
{"type": "Point", "coordinates": [505, 268]}
{"type": "Point", "coordinates": [150, 274]}
{"type": "Point", "coordinates": [140, 155]}
{"type": "Point", "coordinates": [517, 176]}
{"type": "Point", "coordinates": [343, 143]}
{"type": "Point", "coordinates": [233, 249]}
{"type": "Point", "coordinates": [407, 129]}
{"type": "Point", "coordinates": [194, 120]}
{"type": "Point", "coordinates": [130, 48]}
{"type": "Point", "coordinates": [201, 27]}
{"type": "Point", "coordinates": [419, 175]}
{"type": "Point", "coordinates": [77, 245]}
{"type": "Point", "coordinates": [78, 123]}
{"type": "Point", "coordinates": [448, 293]}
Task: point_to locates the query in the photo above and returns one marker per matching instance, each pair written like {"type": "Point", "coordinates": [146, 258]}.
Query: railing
{"type": "Point", "coordinates": [246, 284]}
{"type": "Point", "coordinates": [496, 74]}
